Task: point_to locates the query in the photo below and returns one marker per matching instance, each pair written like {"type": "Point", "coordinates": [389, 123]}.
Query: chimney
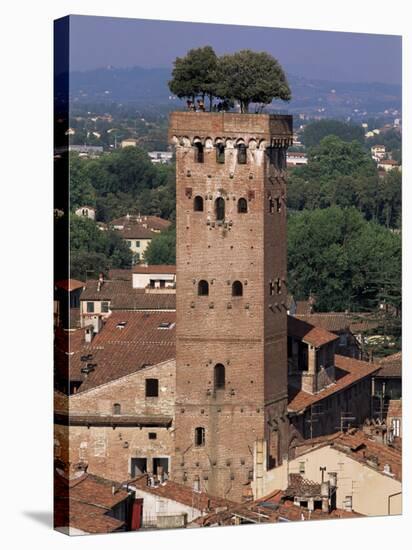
{"type": "Point", "coordinates": [88, 334]}
{"type": "Point", "coordinates": [100, 282]}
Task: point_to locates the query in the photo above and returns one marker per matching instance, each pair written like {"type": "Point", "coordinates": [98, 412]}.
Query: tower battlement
{"type": "Point", "coordinates": [266, 130]}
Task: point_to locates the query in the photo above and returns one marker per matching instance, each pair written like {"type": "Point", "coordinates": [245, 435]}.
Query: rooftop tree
{"type": "Point", "coordinates": [195, 75]}
{"type": "Point", "coordinates": [251, 77]}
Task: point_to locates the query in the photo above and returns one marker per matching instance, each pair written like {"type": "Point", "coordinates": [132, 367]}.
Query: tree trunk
{"type": "Point", "coordinates": [210, 102]}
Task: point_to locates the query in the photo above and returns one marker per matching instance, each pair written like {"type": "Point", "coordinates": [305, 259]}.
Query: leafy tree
{"type": "Point", "coordinates": [195, 74]}
{"type": "Point", "coordinates": [162, 248]}
{"type": "Point", "coordinates": [334, 157]}
{"type": "Point", "coordinates": [315, 131]}
{"type": "Point", "coordinates": [248, 76]}
{"type": "Point", "coordinates": [335, 254]}
{"type": "Point", "coordinates": [82, 192]}
{"type": "Point", "coordinates": [93, 250]}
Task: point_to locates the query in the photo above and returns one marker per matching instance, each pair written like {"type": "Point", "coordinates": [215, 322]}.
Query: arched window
{"type": "Point", "coordinates": [220, 153]}
{"type": "Point", "coordinates": [242, 206]}
{"type": "Point", "coordinates": [220, 208]}
{"type": "Point", "coordinates": [203, 288]}
{"type": "Point", "coordinates": [241, 153]}
{"type": "Point", "coordinates": [116, 408]}
{"type": "Point", "coordinates": [199, 436]}
{"type": "Point", "coordinates": [198, 204]}
{"type": "Point", "coordinates": [219, 376]}
{"type": "Point", "coordinates": [237, 289]}
{"type": "Point", "coordinates": [199, 156]}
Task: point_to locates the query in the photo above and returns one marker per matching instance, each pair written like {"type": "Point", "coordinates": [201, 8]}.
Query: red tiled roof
{"type": "Point", "coordinates": [118, 352]}
{"type": "Point", "coordinates": [314, 336]}
{"type": "Point", "coordinates": [85, 517]}
{"type": "Point", "coordinates": [182, 493]}
{"type": "Point", "coordinates": [303, 307]}
{"type": "Point", "coordinates": [70, 284]}
{"type": "Point", "coordinates": [136, 231]}
{"type": "Point", "coordinates": [357, 445]}
{"type": "Point", "coordinates": [122, 295]}
{"type": "Point", "coordinates": [157, 269]}
{"type": "Point", "coordinates": [83, 503]}
{"type": "Point", "coordinates": [120, 274]}
{"type": "Point", "coordinates": [152, 222]}
{"type": "Point", "coordinates": [349, 371]}
{"type": "Point", "coordinates": [333, 322]}
{"type": "Point", "coordinates": [336, 321]}
{"type": "Point", "coordinates": [391, 366]}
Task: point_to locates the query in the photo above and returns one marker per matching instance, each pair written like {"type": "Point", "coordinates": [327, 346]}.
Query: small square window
{"type": "Point", "coordinates": [152, 435]}
{"type": "Point", "coordinates": [152, 387]}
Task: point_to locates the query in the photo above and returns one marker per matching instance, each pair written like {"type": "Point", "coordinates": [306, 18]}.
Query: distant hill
{"type": "Point", "coordinates": [140, 86]}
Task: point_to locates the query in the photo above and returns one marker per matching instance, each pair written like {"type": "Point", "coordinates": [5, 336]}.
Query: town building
{"type": "Point", "coordinates": [170, 505]}
{"type": "Point", "coordinates": [155, 277]}
{"type": "Point", "coordinates": [100, 298]}
{"type": "Point", "coordinates": [67, 302]}
{"type": "Point", "coordinates": [129, 142]}
{"type": "Point", "coordinates": [295, 158]}
{"type": "Point", "coordinates": [120, 409]}
{"type": "Point", "coordinates": [231, 357]}
{"type": "Point", "coordinates": [327, 391]}
{"type": "Point", "coordinates": [387, 394]}
{"type": "Point", "coordinates": [86, 212]}
{"type": "Point", "coordinates": [367, 475]}
{"type": "Point", "coordinates": [160, 157]}
{"type": "Point", "coordinates": [386, 165]}
{"type": "Point", "coordinates": [378, 152]}
{"type": "Point", "coordinates": [138, 232]}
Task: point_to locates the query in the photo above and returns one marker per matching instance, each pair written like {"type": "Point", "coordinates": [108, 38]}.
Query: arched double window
{"type": "Point", "coordinates": [241, 153]}
{"type": "Point", "coordinates": [220, 209]}
{"type": "Point", "coordinates": [198, 204]}
{"type": "Point", "coordinates": [203, 288]}
{"type": "Point", "coordinates": [219, 376]}
{"type": "Point", "coordinates": [199, 152]}
{"type": "Point", "coordinates": [237, 289]}
{"type": "Point", "coordinates": [242, 206]}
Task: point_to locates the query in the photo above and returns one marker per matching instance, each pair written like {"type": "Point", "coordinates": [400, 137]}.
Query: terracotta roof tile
{"type": "Point", "coordinates": [391, 366]}
{"type": "Point", "coordinates": [356, 444]}
{"type": "Point", "coordinates": [69, 284]}
{"type": "Point", "coordinates": [348, 372]}
{"type": "Point", "coordinates": [157, 269]}
{"type": "Point", "coordinates": [83, 503]}
{"type": "Point", "coordinates": [128, 342]}
{"type": "Point", "coordinates": [122, 295]}
{"type": "Point", "coordinates": [308, 333]}
{"type": "Point", "coordinates": [181, 493]}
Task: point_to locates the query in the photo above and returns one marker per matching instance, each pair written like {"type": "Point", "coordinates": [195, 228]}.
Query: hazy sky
{"type": "Point", "coordinates": [349, 57]}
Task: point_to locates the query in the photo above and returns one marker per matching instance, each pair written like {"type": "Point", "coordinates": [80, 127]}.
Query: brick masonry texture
{"type": "Point", "coordinates": [246, 334]}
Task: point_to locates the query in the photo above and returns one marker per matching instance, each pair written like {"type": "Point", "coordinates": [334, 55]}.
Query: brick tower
{"type": "Point", "coordinates": [231, 350]}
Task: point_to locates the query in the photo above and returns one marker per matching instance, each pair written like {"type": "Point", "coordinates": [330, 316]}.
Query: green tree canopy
{"type": "Point", "coordinates": [315, 131]}
{"type": "Point", "coordinates": [342, 259]}
{"type": "Point", "coordinates": [162, 248]}
{"type": "Point", "coordinates": [82, 192]}
{"type": "Point", "coordinates": [93, 250]}
{"type": "Point", "coordinates": [123, 181]}
{"type": "Point", "coordinates": [251, 77]}
{"type": "Point", "coordinates": [195, 74]}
